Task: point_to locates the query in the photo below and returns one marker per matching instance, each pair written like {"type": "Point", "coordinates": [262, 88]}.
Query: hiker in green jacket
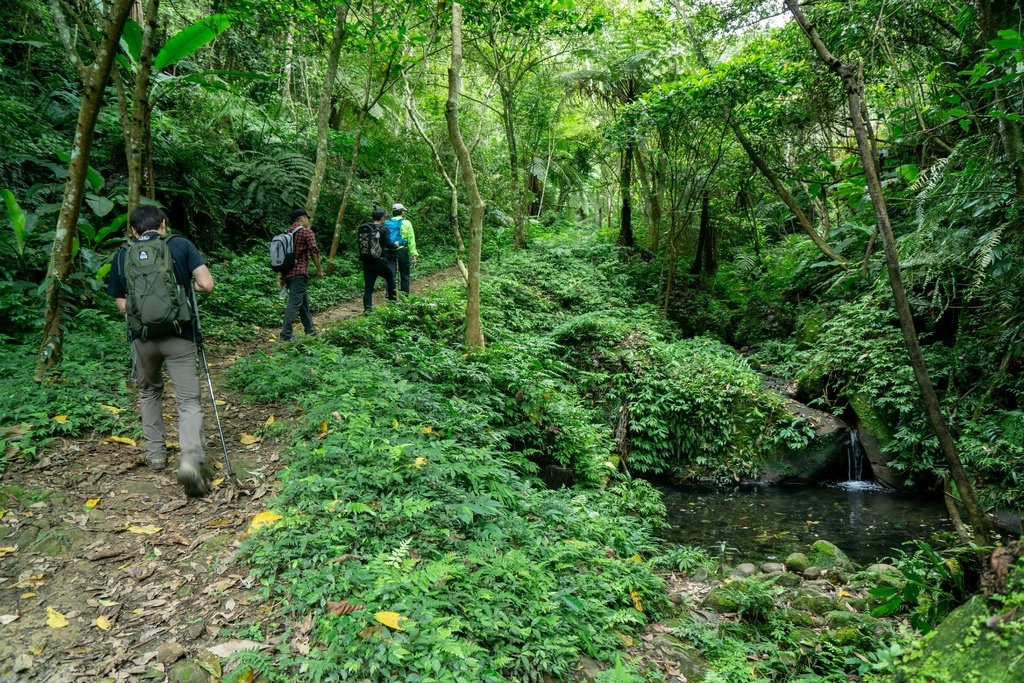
{"type": "Point", "coordinates": [402, 235]}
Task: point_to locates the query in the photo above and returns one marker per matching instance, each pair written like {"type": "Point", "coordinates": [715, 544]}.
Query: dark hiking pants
{"type": "Point", "coordinates": [371, 271]}
{"type": "Point", "coordinates": [298, 305]}
{"type": "Point", "coordinates": [398, 261]}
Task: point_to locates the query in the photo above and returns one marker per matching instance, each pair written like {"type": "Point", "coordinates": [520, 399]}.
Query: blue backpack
{"type": "Point", "coordinates": [394, 226]}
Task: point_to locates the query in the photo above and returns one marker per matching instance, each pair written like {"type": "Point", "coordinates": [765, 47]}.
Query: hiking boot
{"type": "Point", "coordinates": [156, 462]}
{"type": "Point", "coordinates": [190, 475]}
{"type": "Point", "coordinates": [313, 333]}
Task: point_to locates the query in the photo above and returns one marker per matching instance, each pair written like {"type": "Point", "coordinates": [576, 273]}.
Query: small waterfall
{"type": "Point", "coordinates": [854, 458]}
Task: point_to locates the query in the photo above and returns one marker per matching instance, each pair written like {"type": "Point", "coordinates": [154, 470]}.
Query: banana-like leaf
{"type": "Point", "coordinates": [131, 40]}
{"type": "Point", "coordinates": [190, 39]}
{"type": "Point", "coordinates": [91, 175]}
{"type": "Point", "coordinates": [17, 219]}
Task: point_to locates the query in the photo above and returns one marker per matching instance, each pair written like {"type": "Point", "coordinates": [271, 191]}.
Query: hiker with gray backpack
{"type": "Point", "coordinates": [152, 280]}
{"type": "Point", "coordinates": [372, 240]}
{"type": "Point", "coordinates": [289, 258]}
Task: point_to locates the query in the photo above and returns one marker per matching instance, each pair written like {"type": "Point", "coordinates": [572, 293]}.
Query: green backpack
{"type": "Point", "coordinates": [156, 304]}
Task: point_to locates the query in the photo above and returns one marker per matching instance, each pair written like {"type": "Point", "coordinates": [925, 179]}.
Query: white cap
{"type": "Point", "coordinates": [398, 207]}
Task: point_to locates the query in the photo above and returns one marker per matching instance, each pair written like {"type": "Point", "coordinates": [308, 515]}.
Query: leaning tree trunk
{"type": "Point", "coordinates": [323, 117]}
{"type": "Point", "coordinates": [474, 326]}
{"type": "Point", "coordinates": [139, 124]}
{"type": "Point", "coordinates": [625, 182]}
{"type": "Point", "coordinates": [94, 80]}
{"type": "Point", "coordinates": [855, 94]}
{"type": "Point", "coordinates": [346, 194]}
{"type": "Point", "coordinates": [289, 51]}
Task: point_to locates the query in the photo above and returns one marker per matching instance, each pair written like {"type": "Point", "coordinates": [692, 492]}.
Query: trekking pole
{"type": "Point", "coordinates": [201, 353]}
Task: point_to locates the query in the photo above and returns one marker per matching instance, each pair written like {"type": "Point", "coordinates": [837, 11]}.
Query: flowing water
{"type": "Point", "coordinates": [769, 522]}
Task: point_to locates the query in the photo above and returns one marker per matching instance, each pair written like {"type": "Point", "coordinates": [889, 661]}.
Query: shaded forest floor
{"type": "Point", "coordinates": [143, 576]}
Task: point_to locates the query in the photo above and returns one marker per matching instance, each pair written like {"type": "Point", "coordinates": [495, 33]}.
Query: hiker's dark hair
{"type": "Point", "coordinates": [378, 214]}
{"type": "Point", "coordinates": [145, 218]}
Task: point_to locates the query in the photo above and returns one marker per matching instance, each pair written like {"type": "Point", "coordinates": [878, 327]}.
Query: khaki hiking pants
{"type": "Point", "coordinates": [180, 357]}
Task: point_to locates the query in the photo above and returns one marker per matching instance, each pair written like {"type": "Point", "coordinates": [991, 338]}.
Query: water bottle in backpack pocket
{"type": "Point", "coordinates": [156, 305]}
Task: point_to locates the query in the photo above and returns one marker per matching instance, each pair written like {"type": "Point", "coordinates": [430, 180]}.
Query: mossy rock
{"type": "Point", "coordinates": [187, 672]}
{"type": "Point", "coordinates": [843, 619]}
{"type": "Point", "coordinates": [691, 664]}
{"type": "Point", "coordinates": [813, 601]}
{"type": "Point", "coordinates": [827, 556]}
{"type": "Point", "coordinates": [797, 618]}
{"type": "Point", "coordinates": [719, 600]}
{"type": "Point", "coordinates": [797, 562]}
{"type": "Point", "coordinates": [963, 650]}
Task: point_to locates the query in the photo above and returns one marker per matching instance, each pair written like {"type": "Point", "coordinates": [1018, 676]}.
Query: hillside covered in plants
{"type": "Point", "coordinates": [696, 286]}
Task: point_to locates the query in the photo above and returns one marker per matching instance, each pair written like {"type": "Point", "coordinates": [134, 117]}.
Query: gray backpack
{"type": "Point", "coordinates": [156, 304]}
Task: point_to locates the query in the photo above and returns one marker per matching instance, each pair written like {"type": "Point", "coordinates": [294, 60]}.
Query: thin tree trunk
{"type": "Point", "coordinates": [626, 238]}
{"type": "Point", "coordinates": [474, 326]}
{"type": "Point", "coordinates": [785, 196]}
{"type": "Point", "coordinates": [140, 106]}
{"type": "Point", "coordinates": [346, 193]}
{"type": "Point", "coordinates": [324, 113]}
{"type": "Point", "coordinates": [94, 80]}
{"type": "Point", "coordinates": [855, 93]}
{"type": "Point", "coordinates": [705, 261]}
{"type": "Point", "coordinates": [150, 172]}
{"type": "Point", "coordinates": [289, 51]}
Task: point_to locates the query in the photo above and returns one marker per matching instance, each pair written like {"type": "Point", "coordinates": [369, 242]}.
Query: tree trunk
{"type": "Point", "coordinates": [994, 16]}
{"type": "Point", "coordinates": [137, 138]}
{"type": "Point", "coordinates": [324, 113]}
{"type": "Point", "coordinates": [785, 196]}
{"type": "Point", "coordinates": [626, 238]}
{"type": "Point", "coordinates": [346, 193]}
{"type": "Point", "coordinates": [705, 261]}
{"type": "Point", "coordinates": [150, 172]}
{"type": "Point", "coordinates": [474, 326]}
{"type": "Point", "coordinates": [855, 93]}
{"type": "Point", "coordinates": [94, 80]}
{"type": "Point", "coordinates": [289, 51]}
{"type": "Point", "coordinates": [508, 114]}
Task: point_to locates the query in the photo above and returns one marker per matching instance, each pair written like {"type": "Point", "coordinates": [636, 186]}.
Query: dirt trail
{"type": "Point", "coordinates": [135, 602]}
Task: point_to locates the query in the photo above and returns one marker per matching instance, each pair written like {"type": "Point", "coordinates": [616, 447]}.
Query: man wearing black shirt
{"type": "Point", "coordinates": [177, 351]}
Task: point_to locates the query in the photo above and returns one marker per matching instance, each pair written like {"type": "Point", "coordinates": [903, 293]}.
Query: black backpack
{"type": "Point", "coordinates": [369, 242]}
{"type": "Point", "coordinates": [282, 252]}
{"type": "Point", "coordinates": [156, 305]}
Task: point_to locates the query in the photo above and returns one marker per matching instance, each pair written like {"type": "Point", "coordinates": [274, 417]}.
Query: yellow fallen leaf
{"type": "Point", "coordinates": [107, 603]}
{"type": "Point", "coordinates": [638, 602]}
{"type": "Point", "coordinates": [172, 444]}
{"type": "Point", "coordinates": [113, 410]}
{"type": "Point", "coordinates": [147, 529]}
{"type": "Point", "coordinates": [60, 419]}
{"type": "Point", "coordinates": [263, 519]}
{"type": "Point", "coordinates": [394, 423]}
{"type": "Point", "coordinates": [27, 596]}
{"type": "Point", "coordinates": [37, 650]}
{"type": "Point", "coordinates": [91, 503]}
{"type": "Point", "coordinates": [33, 581]}
{"type": "Point", "coordinates": [420, 462]}
{"type": "Point", "coordinates": [626, 640]}
{"type": "Point", "coordinates": [323, 430]}
{"type": "Point", "coordinates": [427, 430]}
{"type": "Point", "coordinates": [121, 439]}
{"type": "Point", "coordinates": [390, 619]}
{"type": "Point", "coordinates": [221, 403]}
{"type": "Point", "coordinates": [637, 559]}
{"type": "Point", "coordinates": [168, 417]}
{"type": "Point", "coordinates": [218, 481]}
{"type": "Point", "coordinates": [103, 623]}
{"type": "Point", "coordinates": [8, 550]}
{"type": "Point", "coordinates": [55, 619]}
{"type": "Point", "coordinates": [270, 421]}
{"type": "Point", "coordinates": [249, 439]}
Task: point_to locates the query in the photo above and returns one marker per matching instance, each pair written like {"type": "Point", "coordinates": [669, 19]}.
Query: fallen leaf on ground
{"type": "Point", "coordinates": [249, 439]}
{"type": "Point", "coordinates": [147, 529]}
{"type": "Point", "coordinates": [218, 481]}
{"type": "Point", "coordinates": [8, 550]}
{"type": "Point", "coordinates": [103, 623]}
{"type": "Point", "coordinates": [33, 581]}
{"type": "Point", "coordinates": [420, 462]}
{"type": "Point", "coordinates": [7, 618]}
{"type": "Point", "coordinates": [637, 558]}
{"type": "Point", "coordinates": [27, 596]}
{"type": "Point", "coordinates": [343, 607]}
{"type": "Point", "coordinates": [638, 602]}
{"type": "Point", "coordinates": [172, 444]}
{"type": "Point", "coordinates": [91, 503]}
{"type": "Point", "coordinates": [263, 519]}
{"type": "Point", "coordinates": [323, 430]}
{"type": "Point", "coordinates": [232, 646]}
{"type": "Point", "coordinates": [107, 603]}
{"type": "Point", "coordinates": [270, 421]}
{"type": "Point", "coordinates": [55, 619]}
{"type": "Point", "coordinates": [121, 439]}
{"type": "Point", "coordinates": [220, 403]}
{"type": "Point", "coordinates": [113, 410]}
{"type": "Point", "coordinates": [391, 620]}
{"type": "Point", "coordinates": [427, 430]}
{"type": "Point", "coordinates": [60, 419]}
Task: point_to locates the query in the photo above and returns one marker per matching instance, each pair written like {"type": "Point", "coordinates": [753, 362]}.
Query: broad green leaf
{"type": "Point", "coordinates": [883, 591]}
{"type": "Point", "coordinates": [887, 607]}
{"type": "Point", "coordinates": [131, 40]}
{"type": "Point", "coordinates": [100, 206]}
{"type": "Point", "coordinates": [92, 176]}
{"type": "Point", "coordinates": [17, 219]}
{"type": "Point", "coordinates": [190, 39]}
{"type": "Point", "coordinates": [909, 172]}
